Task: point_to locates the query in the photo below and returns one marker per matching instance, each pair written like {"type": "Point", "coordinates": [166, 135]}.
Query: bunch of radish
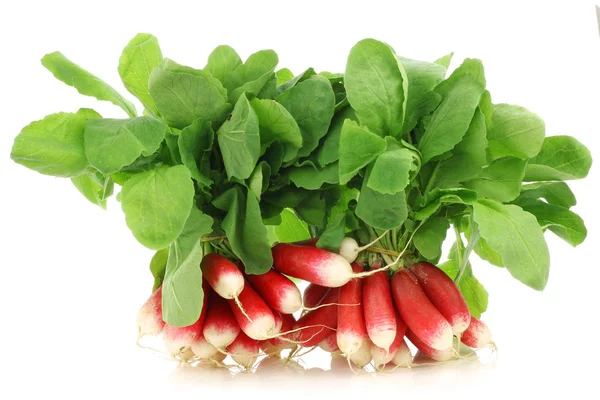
{"type": "Point", "coordinates": [365, 314]}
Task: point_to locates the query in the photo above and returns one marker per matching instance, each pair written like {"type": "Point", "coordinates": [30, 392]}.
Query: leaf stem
{"type": "Point", "coordinates": [473, 239]}
{"type": "Point", "coordinates": [431, 179]}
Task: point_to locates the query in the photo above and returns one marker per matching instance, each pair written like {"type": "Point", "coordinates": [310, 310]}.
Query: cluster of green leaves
{"type": "Point", "coordinates": [238, 155]}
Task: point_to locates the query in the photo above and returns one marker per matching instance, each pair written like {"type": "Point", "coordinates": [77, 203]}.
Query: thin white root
{"type": "Point", "coordinates": [366, 246]}
{"type": "Point", "coordinates": [241, 307]}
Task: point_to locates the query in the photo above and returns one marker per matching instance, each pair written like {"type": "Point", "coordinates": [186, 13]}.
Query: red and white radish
{"type": "Point", "coordinates": [256, 319]}
{"type": "Point", "coordinates": [419, 314]}
{"type": "Point", "coordinates": [316, 325]}
{"type": "Point", "coordinates": [244, 350]}
{"type": "Point", "coordinates": [202, 349]}
{"type": "Point", "coordinates": [280, 343]}
{"type": "Point", "coordinates": [178, 339]}
{"type": "Point", "coordinates": [380, 316]}
{"type": "Point", "coordinates": [313, 294]}
{"type": "Point", "coordinates": [329, 344]}
{"type": "Point", "coordinates": [221, 327]}
{"type": "Point", "coordinates": [222, 275]}
{"type": "Point", "coordinates": [362, 357]}
{"type": "Point", "coordinates": [383, 356]}
{"type": "Point", "coordinates": [349, 249]}
{"type": "Point", "coordinates": [434, 354]}
{"type": "Point", "coordinates": [477, 335]}
{"type": "Point", "coordinates": [312, 264]}
{"type": "Point", "coordinates": [278, 318]}
{"type": "Point", "coordinates": [278, 291]}
{"type": "Point", "coordinates": [149, 317]}
{"type": "Point", "coordinates": [444, 294]}
{"type": "Point", "coordinates": [351, 329]}
{"type": "Point", "coordinates": [403, 356]}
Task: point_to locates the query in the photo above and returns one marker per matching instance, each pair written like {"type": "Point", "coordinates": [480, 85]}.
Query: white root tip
{"type": "Point", "coordinates": [291, 301]}
{"type": "Point", "coordinates": [362, 357]}
{"type": "Point", "coordinates": [350, 343]}
{"type": "Point", "coordinates": [383, 338]}
{"type": "Point", "coordinates": [442, 340]}
{"type": "Point", "coordinates": [220, 338]}
{"type": "Point", "coordinates": [349, 249]}
{"type": "Point", "coordinates": [203, 349]}
{"type": "Point", "coordinates": [230, 286]}
{"type": "Point", "coordinates": [381, 356]}
{"type": "Point", "coordinates": [403, 357]}
{"type": "Point", "coordinates": [260, 328]}
{"type": "Point", "coordinates": [336, 271]}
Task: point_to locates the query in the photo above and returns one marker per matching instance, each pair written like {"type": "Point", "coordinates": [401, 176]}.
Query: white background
{"type": "Point", "coordinates": [72, 277]}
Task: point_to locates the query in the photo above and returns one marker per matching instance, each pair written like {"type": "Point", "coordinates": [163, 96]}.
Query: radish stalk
{"type": "Point", "coordinates": [477, 335]}
{"type": "Point", "coordinates": [380, 316]}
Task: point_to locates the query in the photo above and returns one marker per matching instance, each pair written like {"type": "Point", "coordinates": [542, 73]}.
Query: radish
{"type": "Point", "coordinates": [218, 357]}
{"type": "Point", "coordinates": [418, 313]}
{"type": "Point", "coordinates": [277, 344]}
{"type": "Point", "coordinates": [307, 242]}
{"type": "Point", "coordinates": [244, 350]}
{"type": "Point", "coordinates": [362, 357]}
{"type": "Point", "coordinates": [253, 315]}
{"type": "Point", "coordinates": [434, 354]}
{"type": "Point", "coordinates": [278, 291]}
{"type": "Point", "coordinates": [222, 275]}
{"type": "Point", "coordinates": [313, 294]}
{"type": "Point", "coordinates": [444, 295]}
{"type": "Point", "coordinates": [329, 344]}
{"type": "Point", "coordinates": [351, 330]}
{"type": "Point", "coordinates": [202, 349]}
{"type": "Point", "coordinates": [349, 249]}
{"type": "Point", "coordinates": [178, 339]}
{"type": "Point", "coordinates": [316, 325]}
{"type": "Point", "coordinates": [403, 356]}
{"type": "Point", "coordinates": [277, 317]}
{"type": "Point", "coordinates": [382, 356]}
{"type": "Point", "coordinates": [220, 328]}
{"type": "Point", "coordinates": [380, 316]}
{"type": "Point", "coordinates": [149, 317]}
{"type": "Point", "coordinates": [477, 335]}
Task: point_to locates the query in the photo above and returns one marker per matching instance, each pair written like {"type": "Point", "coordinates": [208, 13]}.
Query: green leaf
{"type": "Point", "coordinates": [251, 76]}
{"type": "Point", "coordinates": [423, 77]}
{"type": "Point", "coordinates": [283, 75]}
{"type": "Point", "coordinates": [183, 296]}
{"type": "Point", "coordinates": [141, 55]}
{"type": "Point", "coordinates": [53, 146]}
{"type": "Point", "coordinates": [468, 156]}
{"type": "Point", "coordinates": [445, 61]}
{"type": "Point", "coordinates": [277, 125]}
{"type": "Point", "coordinates": [381, 211]}
{"type": "Point", "coordinates": [295, 80]}
{"type": "Point", "coordinates": [245, 229]}
{"type": "Point", "coordinates": [556, 193]}
{"type": "Point", "coordinates": [515, 132]}
{"type": "Point", "coordinates": [429, 238]}
{"type": "Point", "coordinates": [358, 147]}
{"type": "Point", "coordinates": [561, 158]}
{"type": "Point", "coordinates": [516, 236]}
{"type": "Point", "coordinates": [312, 210]}
{"type": "Point", "coordinates": [461, 94]}
{"type": "Point", "coordinates": [308, 176]}
{"type": "Point", "coordinates": [500, 181]}
{"type": "Point", "coordinates": [376, 86]}
{"type": "Point", "coordinates": [239, 140]}
{"type": "Point", "coordinates": [328, 151]}
{"type": "Point", "coordinates": [337, 202]}
{"type": "Point", "coordinates": [485, 252]}
{"type": "Point", "coordinates": [391, 170]}
{"type": "Point", "coordinates": [95, 187]}
{"type": "Point", "coordinates": [87, 84]}
{"type": "Point", "coordinates": [111, 144]}
{"type": "Point", "coordinates": [158, 266]}
{"type": "Point", "coordinates": [291, 228]}
{"type": "Point", "coordinates": [184, 94]}
{"type": "Point", "coordinates": [258, 182]}
{"type": "Point", "coordinates": [563, 222]}
{"type": "Point", "coordinates": [222, 61]}
{"type": "Point", "coordinates": [195, 143]}
{"type": "Point", "coordinates": [157, 203]}
{"type": "Point", "coordinates": [475, 295]}
{"type": "Point", "coordinates": [312, 104]}
{"type": "Point", "coordinates": [437, 197]}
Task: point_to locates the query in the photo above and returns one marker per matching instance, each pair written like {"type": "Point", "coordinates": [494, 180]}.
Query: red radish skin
{"type": "Point", "coordinates": [415, 309]}
{"type": "Point", "coordinates": [434, 354]}
{"type": "Point", "coordinates": [403, 356]}
{"type": "Point", "coordinates": [351, 329]}
{"type": "Point", "coordinates": [149, 317]}
{"type": "Point", "coordinates": [278, 291]}
{"type": "Point", "coordinates": [261, 324]}
{"type": "Point", "coordinates": [383, 356]}
{"type": "Point", "coordinates": [329, 344]}
{"type": "Point", "coordinates": [312, 264]}
{"type": "Point", "coordinates": [362, 357]}
{"type": "Point", "coordinates": [380, 316]}
{"type": "Point", "coordinates": [444, 294]}
{"type": "Point", "coordinates": [278, 344]}
{"type": "Point", "coordinates": [313, 294]}
{"type": "Point", "coordinates": [179, 339]}
{"type": "Point", "coordinates": [220, 327]}
{"type": "Point", "coordinates": [244, 350]}
{"type": "Point", "coordinates": [318, 324]}
{"type": "Point", "coordinates": [222, 275]}
{"type": "Point", "coordinates": [477, 335]}
{"type": "Point", "coordinates": [278, 323]}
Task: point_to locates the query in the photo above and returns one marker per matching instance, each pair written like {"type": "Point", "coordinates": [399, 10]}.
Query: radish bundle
{"type": "Point", "coordinates": [246, 179]}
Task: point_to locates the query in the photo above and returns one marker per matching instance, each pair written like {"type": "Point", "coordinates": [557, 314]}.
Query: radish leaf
{"type": "Point", "coordinates": [561, 158]}
{"type": "Point", "coordinates": [563, 222]}
{"type": "Point", "coordinates": [500, 181]}
{"type": "Point", "coordinates": [194, 144]}
{"type": "Point", "coordinates": [222, 61]}
{"type": "Point", "coordinates": [515, 132]}
{"type": "Point", "coordinates": [358, 147]}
